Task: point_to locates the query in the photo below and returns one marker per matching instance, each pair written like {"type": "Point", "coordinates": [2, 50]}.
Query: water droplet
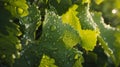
{"type": "Point", "coordinates": [54, 20]}
{"type": "Point", "coordinates": [76, 56]}
{"type": "Point", "coordinates": [46, 66]}
{"type": "Point", "coordinates": [55, 48]}
{"type": "Point", "coordinates": [43, 56]}
{"type": "Point", "coordinates": [70, 59]}
{"type": "Point", "coordinates": [45, 39]}
{"type": "Point", "coordinates": [104, 38]}
{"type": "Point", "coordinates": [28, 62]}
{"type": "Point", "coordinates": [53, 27]}
{"type": "Point", "coordinates": [63, 60]}
{"type": "Point", "coordinates": [10, 20]}
{"type": "Point", "coordinates": [13, 56]}
{"type": "Point", "coordinates": [50, 37]}
{"type": "Point", "coordinates": [27, 25]}
{"type": "Point", "coordinates": [46, 34]}
{"type": "Point", "coordinates": [67, 62]}
{"type": "Point", "coordinates": [37, 7]}
{"type": "Point", "coordinates": [58, 31]}
{"type": "Point", "coordinates": [114, 11]}
{"type": "Point", "coordinates": [54, 43]}
{"type": "Point", "coordinates": [59, 17]}
{"type": "Point", "coordinates": [3, 56]}
{"type": "Point", "coordinates": [54, 52]}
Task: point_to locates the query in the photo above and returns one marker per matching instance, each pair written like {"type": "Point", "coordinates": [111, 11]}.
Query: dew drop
{"type": "Point", "coordinates": [54, 52]}
{"type": "Point", "coordinates": [13, 56]}
{"type": "Point", "coordinates": [53, 28]}
{"type": "Point", "coordinates": [28, 62]}
{"type": "Point", "coordinates": [76, 56]}
{"type": "Point", "coordinates": [45, 39]}
{"type": "Point", "coordinates": [10, 20]}
{"type": "Point", "coordinates": [3, 56]}
{"type": "Point", "coordinates": [59, 17]}
{"type": "Point", "coordinates": [46, 34]}
{"type": "Point", "coordinates": [54, 43]}
{"type": "Point", "coordinates": [44, 56]}
{"type": "Point", "coordinates": [114, 11]}
{"type": "Point", "coordinates": [37, 7]}
{"type": "Point", "coordinates": [67, 62]}
{"type": "Point", "coordinates": [20, 11]}
{"type": "Point", "coordinates": [70, 59]}
{"type": "Point", "coordinates": [27, 25]}
{"type": "Point", "coordinates": [63, 60]}
{"type": "Point", "coordinates": [55, 49]}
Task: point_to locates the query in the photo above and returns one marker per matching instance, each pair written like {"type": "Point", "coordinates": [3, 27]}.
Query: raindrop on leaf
{"type": "Point", "coordinates": [53, 27]}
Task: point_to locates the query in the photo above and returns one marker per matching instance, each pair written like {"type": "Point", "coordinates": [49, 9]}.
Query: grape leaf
{"type": "Point", "coordinates": [47, 62]}
{"type": "Point", "coordinates": [58, 1]}
{"type": "Point", "coordinates": [30, 56]}
{"type": "Point", "coordinates": [53, 44]}
{"type": "Point", "coordinates": [109, 37]}
{"type": "Point", "coordinates": [85, 17]}
{"type": "Point", "coordinates": [18, 8]}
{"type": "Point", "coordinates": [61, 7]}
{"type": "Point", "coordinates": [88, 37]}
{"type": "Point", "coordinates": [98, 1]}
{"type": "Point", "coordinates": [31, 24]}
{"type": "Point", "coordinates": [9, 43]}
{"type": "Point", "coordinates": [86, 1]}
{"type": "Point", "coordinates": [31, 52]}
{"type": "Point", "coordinates": [70, 18]}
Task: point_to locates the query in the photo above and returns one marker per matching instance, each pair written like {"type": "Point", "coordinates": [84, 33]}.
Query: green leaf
{"type": "Point", "coordinates": [58, 1]}
{"type": "Point", "coordinates": [31, 23]}
{"type": "Point", "coordinates": [98, 1]}
{"type": "Point", "coordinates": [71, 38]}
{"type": "Point", "coordinates": [70, 18]}
{"type": "Point", "coordinates": [116, 4]}
{"type": "Point", "coordinates": [53, 40]}
{"type": "Point", "coordinates": [86, 1]}
{"type": "Point", "coordinates": [30, 56]}
{"type": "Point", "coordinates": [9, 43]}
{"type": "Point", "coordinates": [31, 52]}
{"type": "Point", "coordinates": [47, 62]}
{"type": "Point", "coordinates": [109, 38]}
{"type": "Point", "coordinates": [17, 8]}
{"type": "Point", "coordinates": [85, 17]}
{"type": "Point", "coordinates": [89, 39]}
{"type": "Point", "coordinates": [61, 7]}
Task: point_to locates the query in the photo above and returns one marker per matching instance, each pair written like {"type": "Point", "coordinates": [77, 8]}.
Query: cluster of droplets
{"type": "Point", "coordinates": [18, 8]}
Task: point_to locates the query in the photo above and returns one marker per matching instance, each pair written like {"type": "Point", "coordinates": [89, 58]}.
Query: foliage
{"type": "Point", "coordinates": [57, 33]}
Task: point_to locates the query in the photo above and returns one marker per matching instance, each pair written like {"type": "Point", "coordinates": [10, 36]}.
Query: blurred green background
{"type": "Point", "coordinates": [110, 10]}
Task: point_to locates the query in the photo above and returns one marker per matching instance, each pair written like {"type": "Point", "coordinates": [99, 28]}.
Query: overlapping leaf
{"type": "Point", "coordinates": [18, 8]}
{"type": "Point", "coordinates": [31, 22]}
{"type": "Point", "coordinates": [61, 5]}
{"type": "Point", "coordinates": [31, 52]}
{"type": "Point", "coordinates": [9, 43]}
{"type": "Point", "coordinates": [47, 62]}
{"type": "Point", "coordinates": [109, 37]}
{"type": "Point", "coordinates": [88, 37]}
{"type": "Point", "coordinates": [98, 1]}
{"type": "Point", "coordinates": [52, 41]}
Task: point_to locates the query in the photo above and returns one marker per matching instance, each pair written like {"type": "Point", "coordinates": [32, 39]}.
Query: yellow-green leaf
{"type": "Point", "coordinates": [70, 18]}
{"type": "Point", "coordinates": [98, 1]}
{"type": "Point", "coordinates": [89, 39]}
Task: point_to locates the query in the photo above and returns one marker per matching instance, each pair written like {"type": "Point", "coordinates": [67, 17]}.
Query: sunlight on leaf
{"type": "Point", "coordinates": [47, 62]}
{"type": "Point", "coordinates": [86, 1]}
{"type": "Point", "coordinates": [70, 18]}
{"type": "Point", "coordinates": [89, 39]}
{"type": "Point", "coordinates": [98, 1]}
